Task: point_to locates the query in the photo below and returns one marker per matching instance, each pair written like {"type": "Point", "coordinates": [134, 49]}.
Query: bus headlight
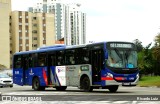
{"type": "Point", "coordinates": [110, 75]}
{"type": "Point", "coordinates": [137, 75]}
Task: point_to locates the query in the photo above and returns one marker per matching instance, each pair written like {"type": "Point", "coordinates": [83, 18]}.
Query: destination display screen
{"type": "Point", "coordinates": [121, 45]}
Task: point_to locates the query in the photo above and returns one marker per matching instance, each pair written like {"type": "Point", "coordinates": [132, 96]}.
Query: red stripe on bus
{"type": "Point", "coordinates": [106, 78]}
{"type": "Point", "coordinates": [45, 77]}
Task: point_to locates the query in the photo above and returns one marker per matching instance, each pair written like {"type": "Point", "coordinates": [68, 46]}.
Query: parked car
{"type": "Point", "coordinates": [5, 80]}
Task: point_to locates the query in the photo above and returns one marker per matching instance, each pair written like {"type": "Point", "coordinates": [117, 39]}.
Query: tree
{"type": "Point", "coordinates": [156, 48]}
{"type": "Point", "coordinates": [156, 54]}
{"type": "Point", "coordinates": [145, 60]}
{"type": "Point", "coordinates": [138, 44]}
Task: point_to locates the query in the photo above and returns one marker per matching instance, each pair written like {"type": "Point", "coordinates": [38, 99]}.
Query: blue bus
{"type": "Point", "coordinates": [105, 65]}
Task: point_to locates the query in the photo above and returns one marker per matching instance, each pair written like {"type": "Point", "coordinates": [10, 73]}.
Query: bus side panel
{"type": "Point", "coordinates": [103, 77]}
{"type": "Point", "coordinates": [41, 73]}
{"type": "Point", "coordinates": [18, 76]}
{"type": "Point", "coordinates": [52, 76]}
{"type": "Point", "coordinates": [60, 75]}
{"type": "Point", "coordinates": [26, 78]}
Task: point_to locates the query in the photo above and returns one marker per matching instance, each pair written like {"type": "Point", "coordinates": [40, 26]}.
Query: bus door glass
{"type": "Point", "coordinates": [51, 68]}
{"type": "Point", "coordinates": [17, 70]}
{"type": "Point", "coordinates": [97, 64]}
{"type": "Point", "coordinates": [25, 67]}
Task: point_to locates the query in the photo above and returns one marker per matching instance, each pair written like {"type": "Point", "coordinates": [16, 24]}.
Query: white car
{"type": "Point", "coordinates": [5, 80]}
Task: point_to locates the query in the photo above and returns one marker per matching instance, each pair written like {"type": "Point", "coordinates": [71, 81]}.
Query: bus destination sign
{"type": "Point", "coordinates": [120, 45]}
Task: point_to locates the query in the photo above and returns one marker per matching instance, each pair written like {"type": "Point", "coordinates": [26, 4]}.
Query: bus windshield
{"type": "Point", "coordinates": [122, 58]}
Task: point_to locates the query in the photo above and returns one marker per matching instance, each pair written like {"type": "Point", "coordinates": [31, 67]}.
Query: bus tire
{"type": "Point", "coordinates": [85, 84]}
{"type": "Point", "coordinates": [36, 85]}
{"type": "Point", "coordinates": [113, 89]}
{"type": "Point", "coordinates": [61, 88]}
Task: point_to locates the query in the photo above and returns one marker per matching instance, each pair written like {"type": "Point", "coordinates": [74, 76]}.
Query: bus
{"type": "Point", "coordinates": [103, 65]}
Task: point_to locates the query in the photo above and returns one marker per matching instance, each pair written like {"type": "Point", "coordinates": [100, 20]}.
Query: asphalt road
{"type": "Point", "coordinates": [124, 95]}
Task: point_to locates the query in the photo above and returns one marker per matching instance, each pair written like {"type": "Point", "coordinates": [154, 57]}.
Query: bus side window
{"type": "Point", "coordinates": [82, 56]}
{"type": "Point", "coordinates": [34, 59]}
{"type": "Point", "coordinates": [51, 59]}
{"type": "Point", "coordinates": [42, 59]}
{"type": "Point", "coordinates": [60, 58]}
{"type": "Point", "coordinates": [25, 61]}
{"type": "Point", "coordinates": [85, 56]}
{"type": "Point", "coordinates": [17, 61]}
{"type": "Point", "coordinates": [69, 57]}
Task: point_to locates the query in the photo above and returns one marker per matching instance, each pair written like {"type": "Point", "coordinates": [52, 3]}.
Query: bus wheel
{"type": "Point", "coordinates": [61, 88]}
{"type": "Point", "coordinates": [85, 85]}
{"type": "Point", "coordinates": [113, 88]}
{"type": "Point", "coordinates": [36, 84]}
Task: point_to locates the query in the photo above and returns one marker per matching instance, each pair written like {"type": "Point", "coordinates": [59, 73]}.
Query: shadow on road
{"type": "Point", "coordinates": [78, 91]}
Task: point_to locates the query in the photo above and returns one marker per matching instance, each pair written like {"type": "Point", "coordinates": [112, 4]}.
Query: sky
{"type": "Point", "coordinates": [115, 20]}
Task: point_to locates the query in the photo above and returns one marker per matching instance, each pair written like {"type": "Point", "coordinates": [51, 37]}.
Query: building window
{"type": "Point", "coordinates": [34, 18]}
{"type": "Point", "coordinates": [34, 31]}
{"type": "Point", "coordinates": [35, 25]}
{"type": "Point", "coordinates": [34, 45]}
{"type": "Point", "coordinates": [34, 38]}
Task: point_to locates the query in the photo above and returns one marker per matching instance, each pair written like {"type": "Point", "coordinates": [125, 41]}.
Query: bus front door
{"type": "Point", "coordinates": [97, 63]}
{"type": "Point", "coordinates": [25, 69]}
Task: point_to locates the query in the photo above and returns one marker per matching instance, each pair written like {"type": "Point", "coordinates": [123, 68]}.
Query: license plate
{"type": "Point", "coordinates": [126, 83]}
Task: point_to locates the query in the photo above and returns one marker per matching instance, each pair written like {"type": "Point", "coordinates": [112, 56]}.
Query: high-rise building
{"type": "Point", "coordinates": [70, 22]}
{"type": "Point", "coordinates": [77, 26]}
{"type": "Point", "coordinates": [31, 30]}
{"type": "Point", "coordinates": [5, 9]}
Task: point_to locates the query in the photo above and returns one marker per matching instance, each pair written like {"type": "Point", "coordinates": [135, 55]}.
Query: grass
{"type": "Point", "coordinates": [149, 81]}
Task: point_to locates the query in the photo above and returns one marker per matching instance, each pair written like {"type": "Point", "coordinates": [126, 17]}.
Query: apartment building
{"type": "Point", "coordinates": [31, 30]}
{"type": "Point", "coordinates": [5, 9]}
{"type": "Point", "coordinates": [69, 20]}
{"type": "Point", "coordinates": [77, 26]}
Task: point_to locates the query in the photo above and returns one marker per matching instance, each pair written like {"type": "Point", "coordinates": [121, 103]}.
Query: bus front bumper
{"type": "Point", "coordinates": [123, 83]}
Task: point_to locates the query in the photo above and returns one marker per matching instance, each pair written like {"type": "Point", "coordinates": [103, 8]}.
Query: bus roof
{"type": "Point", "coordinates": [62, 47]}
{"type": "Point", "coordinates": [50, 48]}
{"type": "Point", "coordinates": [39, 50]}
